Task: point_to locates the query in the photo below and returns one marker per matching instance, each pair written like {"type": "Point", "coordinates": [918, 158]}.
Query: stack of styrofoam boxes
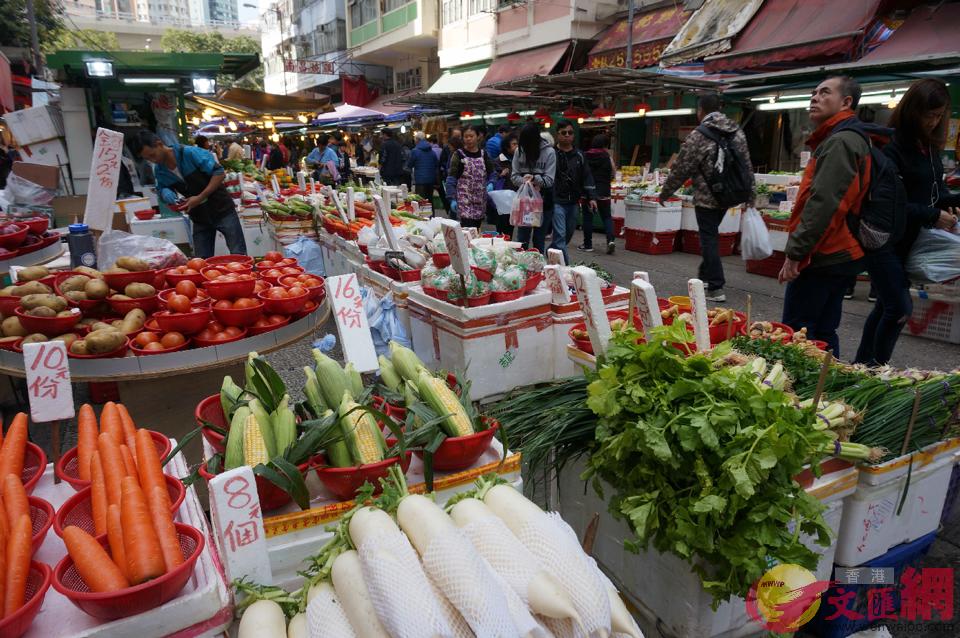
{"type": "Point", "coordinates": [651, 228]}
{"type": "Point", "coordinates": [39, 131]}
{"type": "Point", "coordinates": [498, 347]}
{"type": "Point", "coordinates": [663, 587]}
{"type": "Point", "coordinates": [618, 212]}
{"type": "Point", "coordinates": [689, 230]}
{"type": "Point", "coordinates": [564, 317]}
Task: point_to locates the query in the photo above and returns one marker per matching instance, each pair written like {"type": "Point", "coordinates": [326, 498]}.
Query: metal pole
{"type": "Point", "coordinates": [629, 34]}
{"type": "Point", "coordinates": [34, 38]}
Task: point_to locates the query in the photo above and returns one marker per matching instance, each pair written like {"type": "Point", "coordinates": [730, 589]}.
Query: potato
{"type": "Point", "coordinates": [65, 313]}
{"type": "Point", "coordinates": [74, 282]}
{"type": "Point", "coordinates": [104, 341]}
{"type": "Point", "coordinates": [31, 288]}
{"type": "Point", "coordinates": [53, 302]}
{"type": "Point", "coordinates": [121, 297]}
{"type": "Point", "coordinates": [32, 273]}
{"type": "Point", "coordinates": [116, 270]}
{"type": "Point", "coordinates": [76, 295]}
{"type": "Point", "coordinates": [96, 289]}
{"type": "Point", "coordinates": [88, 321]}
{"type": "Point", "coordinates": [133, 321]}
{"type": "Point", "coordinates": [7, 292]}
{"type": "Point", "coordinates": [42, 311]}
{"type": "Point", "coordinates": [35, 338]}
{"type": "Point", "coordinates": [13, 328]}
{"type": "Point", "coordinates": [68, 338]}
{"type": "Point", "coordinates": [132, 264]}
{"type": "Point", "coordinates": [139, 291]}
{"type": "Point", "coordinates": [89, 272]}
{"type": "Point", "coordinates": [79, 347]}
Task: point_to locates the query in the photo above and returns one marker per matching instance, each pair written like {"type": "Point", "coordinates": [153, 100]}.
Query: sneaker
{"type": "Point", "coordinates": [611, 246]}
{"type": "Point", "coordinates": [716, 295]}
{"type": "Point", "coordinates": [585, 249]}
{"type": "Point", "coordinates": [872, 297]}
{"type": "Point", "coordinates": [848, 295]}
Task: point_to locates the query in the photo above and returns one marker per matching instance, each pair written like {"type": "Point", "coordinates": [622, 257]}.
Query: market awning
{"type": "Point", "coordinates": [709, 30]}
{"type": "Point", "coordinates": [594, 83]}
{"type": "Point", "coordinates": [928, 32]}
{"type": "Point", "coordinates": [264, 103]}
{"type": "Point", "coordinates": [542, 61]}
{"type": "Point", "coordinates": [798, 30]}
{"type": "Point", "coordinates": [479, 101]}
{"type": "Point", "coordinates": [652, 32]}
{"type": "Point", "coordinates": [71, 62]}
{"type": "Point", "coordinates": [345, 112]}
{"type": "Point", "coordinates": [460, 80]}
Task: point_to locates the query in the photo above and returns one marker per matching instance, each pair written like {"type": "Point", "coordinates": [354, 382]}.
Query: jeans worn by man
{"type": "Point", "coordinates": [711, 268]}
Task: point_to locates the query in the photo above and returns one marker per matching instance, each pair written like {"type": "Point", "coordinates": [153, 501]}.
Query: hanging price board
{"type": "Point", "coordinates": [238, 525]}
{"type": "Point", "coordinates": [698, 301]}
{"type": "Point", "coordinates": [346, 302]}
{"type": "Point", "coordinates": [104, 176]}
{"type": "Point", "coordinates": [587, 285]}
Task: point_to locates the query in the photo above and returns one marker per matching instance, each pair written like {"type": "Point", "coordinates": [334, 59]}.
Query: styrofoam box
{"type": "Point", "coordinates": [258, 242]}
{"type": "Point", "coordinates": [177, 230]}
{"type": "Point", "coordinates": [652, 218]}
{"type": "Point", "coordinates": [663, 587]}
{"type": "Point", "coordinates": [763, 178]}
{"type": "Point", "coordinates": [778, 239]}
{"type": "Point", "coordinates": [35, 124]}
{"type": "Point", "coordinates": [872, 525]}
{"type": "Point", "coordinates": [618, 207]}
{"type": "Point", "coordinates": [688, 217]}
{"type": "Point", "coordinates": [50, 153]}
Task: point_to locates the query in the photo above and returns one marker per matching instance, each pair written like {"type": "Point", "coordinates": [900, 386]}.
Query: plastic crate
{"type": "Point", "coordinates": [900, 557]}
{"type": "Point", "coordinates": [690, 242]}
{"type": "Point", "coordinates": [643, 241]}
{"type": "Point", "coordinates": [617, 226]}
{"type": "Point", "coordinates": [937, 320]}
{"type": "Point", "coordinates": [769, 267]}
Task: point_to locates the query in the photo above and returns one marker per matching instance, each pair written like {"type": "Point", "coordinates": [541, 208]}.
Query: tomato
{"type": "Point", "coordinates": [220, 336]}
{"type": "Point", "coordinates": [189, 271]}
{"type": "Point", "coordinates": [287, 261]}
{"type": "Point", "coordinates": [213, 273]}
{"type": "Point", "coordinates": [172, 340]}
{"type": "Point", "coordinates": [275, 319]}
{"type": "Point", "coordinates": [262, 322]}
{"type": "Point", "coordinates": [205, 335]}
{"type": "Point", "coordinates": [272, 255]}
{"type": "Point", "coordinates": [224, 304]}
{"type": "Point", "coordinates": [154, 345]}
{"type": "Point", "coordinates": [235, 266]}
{"type": "Point", "coordinates": [196, 263]}
{"type": "Point", "coordinates": [260, 286]}
{"type": "Point", "coordinates": [186, 288]}
{"type": "Point", "coordinates": [277, 293]}
{"type": "Point", "coordinates": [245, 302]}
{"type": "Point", "coordinates": [290, 270]}
{"type": "Point", "coordinates": [288, 281]}
{"type": "Point", "coordinates": [233, 331]}
{"type": "Point", "coordinates": [179, 303]}
{"type": "Point", "coordinates": [311, 282]}
{"type": "Point", "coordinates": [273, 273]}
{"type": "Point", "coordinates": [215, 326]}
{"type": "Point", "coordinates": [297, 291]}
{"type": "Point", "coordinates": [245, 277]}
{"type": "Point", "coordinates": [310, 306]}
{"type": "Point", "coordinates": [266, 263]}
{"type": "Point", "coordinates": [144, 338]}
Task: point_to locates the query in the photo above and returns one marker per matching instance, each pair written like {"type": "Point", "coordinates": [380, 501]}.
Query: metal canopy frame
{"type": "Point", "coordinates": [613, 81]}
{"type": "Point", "coordinates": [478, 101]}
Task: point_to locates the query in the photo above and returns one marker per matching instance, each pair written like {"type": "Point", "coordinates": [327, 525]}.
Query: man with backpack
{"type": "Point", "coordinates": [716, 157]}
{"type": "Point", "coordinates": [850, 199]}
{"type": "Point", "coordinates": [573, 182]}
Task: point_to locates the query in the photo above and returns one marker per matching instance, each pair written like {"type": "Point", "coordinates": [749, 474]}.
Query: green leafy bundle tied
{"type": "Point", "coordinates": [701, 460]}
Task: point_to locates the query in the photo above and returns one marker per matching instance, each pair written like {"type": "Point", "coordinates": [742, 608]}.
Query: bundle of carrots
{"type": "Point", "coordinates": [16, 529]}
{"type": "Point", "coordinates": [130, 503]}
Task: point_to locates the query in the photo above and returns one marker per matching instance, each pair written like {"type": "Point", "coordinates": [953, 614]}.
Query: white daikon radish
{"type": "Point", "coordinates": [263, 619]}
{"type": "Point", "coordinates": [325, 615]}
{"type": "Point", "coordinates": [512, 561]}
{"type": "Point", "coordinates": [557, 549]}
{"type": "Point", "coordinates": [347, 576]}
{"type": "Point", "coordinates": [621, 620]}
{"type": "Point", "coordinates": [298, 627]}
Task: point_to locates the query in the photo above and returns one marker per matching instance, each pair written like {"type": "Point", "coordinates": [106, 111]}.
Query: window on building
{"type": "Point", "coordinates": [480, 6]}
{"type": "Point", "coordinates": [452, 11]}
{"type": "Point", "coordinates": [362, 12]}
{"type": "Point", "coordinates": [391, 5]}
{"type": "Point", "coordinates": [330, 37]}
{"type": "Point", "coordinates": [409, 79]}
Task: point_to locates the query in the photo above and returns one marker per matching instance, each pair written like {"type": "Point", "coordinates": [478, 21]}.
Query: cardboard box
{"type": "Point", "coordinates": [39, 173]}
{"type": "Point", "coordinates": [66, 208]}
{"type": "Point", "coordinates": [50, 152]}
{"type": "Point", "coordinates": [35, 124]}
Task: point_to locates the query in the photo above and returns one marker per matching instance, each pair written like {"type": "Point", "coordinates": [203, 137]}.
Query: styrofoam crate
{"type": "Point", "coordinates": [652, 218]}
{"type": "Point", "coordinates": [688, 218]}
{"type": "Point", "coordinates": [778, 240]}
{"type": "Point", "coordinates": [782, 180]}
{"type": "Point", "coordinates": [35, 124]}
{"type": "Point", "coordinates": [934, 319]}
{"type": "Point", "coordinates": [618, 208]}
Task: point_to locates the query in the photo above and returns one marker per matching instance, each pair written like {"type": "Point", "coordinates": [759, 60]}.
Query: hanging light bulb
{"type": "Point", "coordinates": [303, 118]}
{"type": "Point", "coordinates": [642, 108]}
{"type": "Point", "coordinates": [222, 128]}
{"type": "Point", "coordinates": [232, 125]}
{"type": "Point", "coordinates": [196, 121]}
{"type": "Point", "coordinates": [268, 124]}
{"type": "Point", "coordinates": [579, 120]}
{"type": "Point", "coordinates": [403, 129]}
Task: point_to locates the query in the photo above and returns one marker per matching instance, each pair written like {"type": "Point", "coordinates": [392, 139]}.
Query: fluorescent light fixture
{"type": "Point", "coordinates": [471, 117]}
{"type": "Point", "coordinates": [403, 128]}
{"type": "Point", "coordinates": [99, 68]}
{"type": "Point", "coordinates": [767, 98]}
{"type": "Point", "coordinates": [492, 115]}
{"type": "Point", "coordinates": [222, 129]}
{"type": "Point", "coordinates": [526, 112]}
{"type": "Point", "coordinates": [884, 98]}
{"type": "Point", "coordinates": [204, 86]}
{"type": "Point", "coordinates": [785, 106]}
{"type": "Point", "coordinates": [669, 112]}
{"type": "Point", "coordinates": [629, 116]}
{"type": "Point", "coordinates": [232, 125]}
{"type": "Point", "coordinates": [138, 81]}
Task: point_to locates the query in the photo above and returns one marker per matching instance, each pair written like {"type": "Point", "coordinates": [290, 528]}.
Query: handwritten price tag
{"type": "Point", "coordinates": [332, 194]}
{"type": "Point", "coordinates": [698, 300]}
{"type": "Point", "coordinates": [48, 381]}
{"type": "Point", "coordinates": [644, 298]}
{"type": "Point", "coordinates": [383, 215]}
{"type": "Point", "coordinates": [104, 174]}
{"type": "Point", "coordinates": [587, 285]}
{"type": "Point", "coordinates": [238, 525]}
{"type": "Point", "coordinates": [351, 208]}
{"type": "Point", "coordinates": [343, 291]}
{"type": "Point", "coordinates": [555, 257]}
{"type": "Point", "coordinates": [558, 287]}
{"type": "Point", "coordinates": [456, 246]}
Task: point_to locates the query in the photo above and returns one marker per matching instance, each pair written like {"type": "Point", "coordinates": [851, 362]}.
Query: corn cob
{"type": "Point", "coordinates": [254, 444]}
{"type": "Point", "coordinates": [411, 396]}
{"type": "Point", "coordinates": [444, 402]}
{"type": "Point", "coordinates": [233, 455]}
{"type": "Point", "coordinates": [405, 362]}
{"type": "Point", "coordinates": [284, 425]}
{"type": "Point", "coordinates": [312, 391]}
{"type": "Point", "coordinates": [230, 395]}
{"type": "Point", "coordinates": [249, 371]}
{"type": "Point", "coordinates": [388, 374]}
{"type": "Point", "coordinates": [266, 426]}
{"type": "Point", "coordinates": [332, 380]}
{"type": "Point", "coordinates": [354, 382]}
{"type": "Point", "coordinates": [361, 433]}
{"type": "Point", "coordinates": [337, 453]}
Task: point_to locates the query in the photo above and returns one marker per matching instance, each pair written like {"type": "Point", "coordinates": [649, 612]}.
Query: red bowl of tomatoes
{"type": "Point", "coordinates": [227, 335]}
{"type": "Point", "coordinates": [220, 260]}
{"type": "Point", "coordinates": [148, 343]}
{"type": "Point", "coordinates": [280, 300]}
{"type": "Point", "coordinates": [243, 311]}
{"type": "Point", "coordinates": [186, 323]}
{"type": "Point", "coordinates": [275, 274]}
{"type": "Point", "coordinates": [182, 273]}
{"type": "Point", "coordinates": [313, 283]}
{"type": "Point", "coordinates": [266, 323]}
{"type": "Point", "coordinates": [308, 307]}
{"type": "Point", "coordinates": [275, 260]}
{"type": "Point", "coordinates": [176, 301]}
{"type": "Point", "coordinates": [231, 287]}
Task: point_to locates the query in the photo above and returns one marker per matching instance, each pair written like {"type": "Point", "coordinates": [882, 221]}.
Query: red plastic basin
{"type": "Point", "coordinates": [36, 225]}
{"type": "Point", "coordinates": [38, 582]}
{"type": "Point", "coordinates": [230, 289]}
{"type": "Point", "coordinates": [343, 482]}
{"type": "Point", "coordinates": [226, 259]}
{"type": "Point", "coordinates": [49, 326]}
{"type": "Point", "coordinates": [187, 323]}
{"type": "Point", "coordinates": [15, 239]}
{"type": "Point", "coordinates": [457, 453]}
{"type": "Point", "coordinates": [205, 343]}
{"type": "Point", "coordinates": [67, 468]}
{"type": "Point", "coordinates": [210, 410]}
{"type": "Point", "coordinates": [143, 352]}
{"type": "Point", "coordinates": [271, 497]}
{"type": "Point", "coordinates": [41, 518]}
{"type": "Point", "coordinates": [238, 316]}
{"type": "Point", "coordinates": [123, 306]}
{"type": "Point", "coordinates": [174, 278]}
{"type": "Point", "coordinates": [116, 354]}
{"type": "Point", "coordinates": [286, 306]}
{"type": "Point", "coordinates": [120, 280]}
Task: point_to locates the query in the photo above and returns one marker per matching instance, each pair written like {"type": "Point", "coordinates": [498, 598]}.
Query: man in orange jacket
{"type": "Point", "coordinates": [822, 255]}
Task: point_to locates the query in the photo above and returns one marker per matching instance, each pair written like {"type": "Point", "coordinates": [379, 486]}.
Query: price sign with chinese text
{"type": "Point", "coordinates": [383, 216]}
{"type": "Point", "coordinates": [48, 381]}
{"type": "Point", "coordinates": [558, 287]}
{"type": "Point", "coordinates": [332, 194]}
{"type": "Point", "coordinates": [238, 525]}
{"type": "Point", "coordinates": [555, 257]}
{"type": "Point", "coordinates": [343, 291]}
{"type": "Point", "coordinates": [351, 208]}
{"type": "Point", "coordinates": [104, 175]}
{"type": "Point", "coordinates": [698, 300]}
{"type": "Point", "coordinates": [587, 285]}
{"type": "Point", "coordinates": [456, 246]}
{"type": "Point", "coordinates": [645, 299]}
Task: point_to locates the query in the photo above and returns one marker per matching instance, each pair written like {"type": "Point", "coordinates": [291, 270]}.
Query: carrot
{"type": "Point", "coordinates": [140, 542]}
{"type": "Point", "coordinates": [129, 465]}
{"type": "Point", "coordinates": [3, 562]}
{"type": "Point", "coordinates": [110, 421]}
{"type": "Point", "coordinates": [151, 473]}
{"type": "Point", "coordinates": [92, 562]}
{"type": "Point", "coordinates": [115, 537]}
{"type": "Point", "coordinates": [14, 499]}
{"type": "Point", "coordinates": [112, 463]}
{"type": "Point", "coordinates": [166, 530]}
{"type": "Point", "coordinates": [19, 548]}
{"type": "Point", "coordinates": [98, 495]}
{"type": "Point", "coordinates": [14, 446]}
{"type": "Point", "coordinates": [87, 432]}
{"type": "Point", "coordinates": [5, 528]}
{"type": "Point", "coordinates": [129, 429]}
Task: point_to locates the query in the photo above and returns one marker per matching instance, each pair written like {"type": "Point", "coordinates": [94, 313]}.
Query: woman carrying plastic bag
{"type": "Point", "coordinates": [754, 237]}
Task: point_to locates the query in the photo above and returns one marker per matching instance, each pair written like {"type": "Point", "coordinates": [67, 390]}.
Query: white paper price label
{"type": "Point", "coordinates": [332, 194]}
{"type": "Point", "coordinates": [346, 301]}
{"type": "Point", "coordinates": [456, 246]}
{"type": "Point", "coordinates": [383, 215]}
{"type": "Point", "coordinates": [302, 180]}
{"type": "Point", "coordinates": [587, 285]}
{"type": "Point", "coordinates": [558, 287]}
{"type": "Point", "coordinates": [351, 208]}
{"type": "Point", "coordinates": [555, 257]}
{"type": "Point", "coordinates": [48, 381]}
{"type": "Point", "coordinates": [238, 525]}
{"type": "Point", "coordinates": [644, 299]}
{"type": "Point", "coordinates": [104, 175]}
{"type": "Point", "coordinates": [698, 302]}
{"type": "Point", "coordinates": [276, 184]}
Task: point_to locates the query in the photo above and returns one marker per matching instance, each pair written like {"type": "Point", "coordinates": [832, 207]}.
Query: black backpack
{"type": "Point", "coordinates": [731, 184]}
{"type": "Point", "coordinates": [882, 220]}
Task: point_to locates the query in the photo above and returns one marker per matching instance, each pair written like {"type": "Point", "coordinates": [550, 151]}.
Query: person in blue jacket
{"type": "Point", "coordinates": [493, 146]}
{"type": "Point", "coordinates": [423, 163]}
{"type": "Point", "coordinates": [193, 173]}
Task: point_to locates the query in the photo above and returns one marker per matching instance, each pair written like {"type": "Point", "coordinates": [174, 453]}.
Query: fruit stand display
{"type": "Point", "coordinates": [26, 241]}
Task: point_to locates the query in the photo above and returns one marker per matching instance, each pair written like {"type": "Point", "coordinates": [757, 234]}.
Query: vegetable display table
{"type": "Point", "coordinates": [35, 258]}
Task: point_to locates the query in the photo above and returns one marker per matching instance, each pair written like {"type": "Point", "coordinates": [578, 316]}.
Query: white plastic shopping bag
{"type": "Point", "coordinates": [527, 207]}
{"type": "Point", "coordinates": [503, 200]}
{"type": "Point", "coordinates": [754, 236]}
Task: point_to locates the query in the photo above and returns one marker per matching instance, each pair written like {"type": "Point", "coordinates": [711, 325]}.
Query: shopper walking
{"type": "Point", "coordinates": [391, 159]}
{"type": "Point", "coordinates": [501, 180]}
{"type": "Point", "coordinates": [822, 253]}
{"type": "Point", "coordinates": [494, 145]}
{"type": "Point", "coordinates": [424, 164]}
{"type": "Point", "coordinates": [920, 123]}
{"type": "Point", "coordinates": [698, 159]}
{"type": "Point", "coordinates": [454, 141]}
{"type": "Point", "coordinates": [470, 170]}
{"type": "Point", "coordinates": [603, 169]}
{"type": "Point", "coordinates": [535, 162]}
{"type": "Point", "coordinates": [235, 151]}
{"type": "Point", "coordinates": [574, 182]}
